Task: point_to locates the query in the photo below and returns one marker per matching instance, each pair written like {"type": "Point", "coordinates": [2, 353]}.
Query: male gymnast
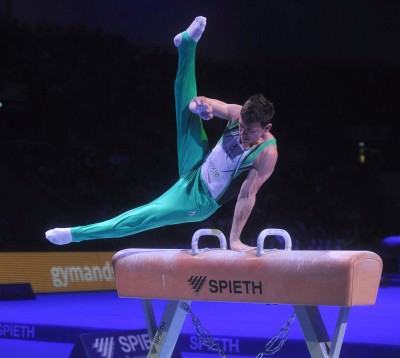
{"type": "Point", "coordinates": [242, 160]}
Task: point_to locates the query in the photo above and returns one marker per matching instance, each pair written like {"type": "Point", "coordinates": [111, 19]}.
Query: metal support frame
{"type": "Point", "coordinates": [149, 317]}
{"type": "Point", "coordinates": [316, 335]}
{"type": "Point", "coordinates": [319, 344]}
{"type": "Point", "coordinates": [166, 336]}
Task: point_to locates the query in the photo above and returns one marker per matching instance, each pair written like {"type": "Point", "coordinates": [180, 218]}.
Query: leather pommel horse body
{"type": "Point", "coordinates": [304, 279]}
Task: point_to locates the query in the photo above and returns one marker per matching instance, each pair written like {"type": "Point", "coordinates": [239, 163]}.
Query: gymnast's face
{"type": "Point", "coordinates": [252, 133]}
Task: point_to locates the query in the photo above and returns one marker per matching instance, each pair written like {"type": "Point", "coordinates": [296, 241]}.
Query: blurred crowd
{"type": "Point", "coordinates": [87, 131]}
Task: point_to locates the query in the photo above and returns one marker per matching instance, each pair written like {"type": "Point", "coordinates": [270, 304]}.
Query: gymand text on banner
{"type": "Point", "coordinates": [59, 272]}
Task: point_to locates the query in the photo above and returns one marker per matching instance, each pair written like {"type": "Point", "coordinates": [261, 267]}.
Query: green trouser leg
{"type": "Point", "coordinates": [188, 200]}
{"type": "Point", "coordinates": [192, 141]}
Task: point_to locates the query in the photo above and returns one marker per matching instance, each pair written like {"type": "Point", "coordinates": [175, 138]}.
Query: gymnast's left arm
{"type": "Point", "coordinates": [262, 170]}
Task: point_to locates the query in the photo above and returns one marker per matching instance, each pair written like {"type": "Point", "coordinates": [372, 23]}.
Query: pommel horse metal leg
{"type": "Point", "coordinates": [315, 334]}
{"type": "Point", "coordinates": [164, 339]}
{"type": "Point", "coordinates": [149, 317]}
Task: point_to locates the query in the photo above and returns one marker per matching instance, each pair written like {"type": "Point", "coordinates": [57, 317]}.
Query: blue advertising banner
{"type": "Point", "coordinates": [114, 344]}
{"type": "Point", "coordinates": [37, 332]}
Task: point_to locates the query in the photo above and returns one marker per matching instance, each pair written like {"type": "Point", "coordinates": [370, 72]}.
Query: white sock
{"type": "Point", "coordinates": [195, 30]}
{"type": "Point", "coordinates": [59, 236]}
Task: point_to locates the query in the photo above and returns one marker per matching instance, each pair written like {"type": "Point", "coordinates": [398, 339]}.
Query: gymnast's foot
{"type": "Point", "coordinates": [239, 246]}
{"type": "Point", "coordinates": [59, 236]}
{"type": "Point", "coordinates": [195, 30]}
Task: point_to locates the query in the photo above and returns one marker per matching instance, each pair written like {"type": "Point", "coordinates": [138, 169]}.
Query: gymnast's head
{"type": "Point", "coordinates": [255, 118]}
{"type": "Point", "coordinates": [257, 109]}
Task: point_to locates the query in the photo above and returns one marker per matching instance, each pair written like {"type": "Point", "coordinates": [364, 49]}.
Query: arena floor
{"type": "Point", "coordinates": [51, 325]}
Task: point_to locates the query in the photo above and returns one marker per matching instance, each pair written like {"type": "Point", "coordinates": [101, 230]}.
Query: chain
{"type": "Point", "coordinates": [203, 335]}
{"type": "Point", "coordinates": [271, 347]}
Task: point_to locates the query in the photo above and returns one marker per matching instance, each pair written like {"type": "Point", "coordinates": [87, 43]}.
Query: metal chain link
{"type": "Point", "coordinates": [282, 336]}
{"type": "Point", "coordinates": [203, 335]}
{"type": "Point", "coordinates": [270, 348]}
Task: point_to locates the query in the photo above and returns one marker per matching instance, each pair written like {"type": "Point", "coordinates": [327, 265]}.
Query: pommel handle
{"type": "Point", "coordinates": [276, 232]}
{"type": "Point", "coordinates": [209, 232]}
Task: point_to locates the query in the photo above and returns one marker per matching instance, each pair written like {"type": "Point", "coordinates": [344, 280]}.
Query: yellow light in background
{"type": "Point", "coordinates": [361, 153]}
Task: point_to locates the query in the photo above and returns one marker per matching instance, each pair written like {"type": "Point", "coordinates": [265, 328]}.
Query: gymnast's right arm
{"type": "Point", "coordinates": [207, 108]}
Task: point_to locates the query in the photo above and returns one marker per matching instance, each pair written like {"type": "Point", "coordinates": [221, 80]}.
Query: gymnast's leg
{"type": "Point", "coordinates": [172, 207]}
{"type": "Point", "coordinates": [192, 141]}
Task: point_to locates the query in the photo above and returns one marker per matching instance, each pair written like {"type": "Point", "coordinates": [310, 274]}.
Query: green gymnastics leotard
{"type": "Point", "coordinates": [189, 200]}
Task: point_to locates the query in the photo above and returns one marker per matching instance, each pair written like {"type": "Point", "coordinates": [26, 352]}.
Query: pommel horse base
{"type": "Point", "coordinates": [304, 279]}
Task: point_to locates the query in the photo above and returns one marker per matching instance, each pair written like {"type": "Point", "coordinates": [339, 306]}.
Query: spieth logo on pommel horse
{"type": "Point", "coordinates": [236, 287]}
{"type": "Point", "coordinates": [304, 279]}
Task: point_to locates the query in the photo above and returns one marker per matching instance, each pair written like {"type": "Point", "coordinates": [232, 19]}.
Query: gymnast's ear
{"type": "Point", "coordinates": [268, 127]}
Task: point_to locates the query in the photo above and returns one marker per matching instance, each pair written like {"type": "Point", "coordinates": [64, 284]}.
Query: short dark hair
{"type": "Point", "coordinates": [257, 109]}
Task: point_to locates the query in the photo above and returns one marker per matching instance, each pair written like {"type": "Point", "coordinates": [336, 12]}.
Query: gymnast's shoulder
{"type": "Point", "coordinates": [267, 159]}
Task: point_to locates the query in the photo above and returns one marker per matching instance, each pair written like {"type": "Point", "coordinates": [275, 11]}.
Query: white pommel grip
{"type": "Point", "coordinates": [209, 232]}
{"type": "Point", "coordinates": [275, 232]}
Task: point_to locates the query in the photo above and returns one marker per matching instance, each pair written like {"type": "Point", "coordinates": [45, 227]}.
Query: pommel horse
{"type": "Point", "coordinates": [304, 279]}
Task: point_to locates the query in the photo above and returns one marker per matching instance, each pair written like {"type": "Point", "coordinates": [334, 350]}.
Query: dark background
{"type": "Point", "coordinates": [87, 119]}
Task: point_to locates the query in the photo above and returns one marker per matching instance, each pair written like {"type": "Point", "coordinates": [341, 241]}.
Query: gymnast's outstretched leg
{"type": "Point", "coordinates": [192, 141]}
{"type": "Point", "coordinates": [176, 205]}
